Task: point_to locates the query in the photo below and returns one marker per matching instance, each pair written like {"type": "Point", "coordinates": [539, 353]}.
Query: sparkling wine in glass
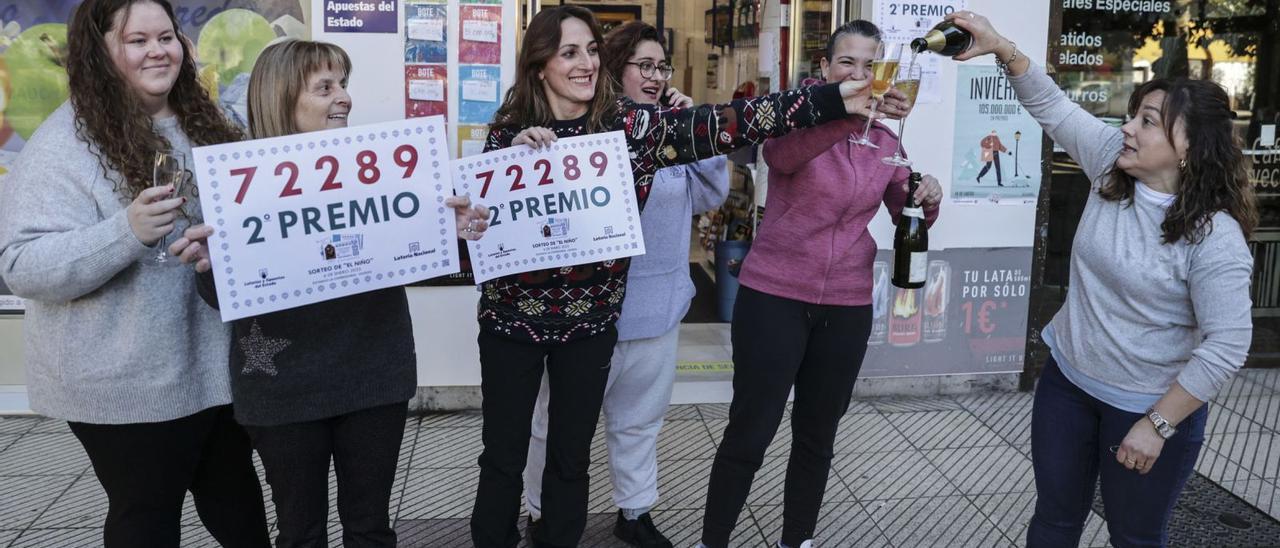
{"type": "Point", "coordinates": [170, 168]}
{"type": "Point", "coordinates": [883, 69]}
{"type": "Point", "coordinates": [908, 82]}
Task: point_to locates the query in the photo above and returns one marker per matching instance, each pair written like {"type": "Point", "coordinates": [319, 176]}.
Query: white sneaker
{"type": "Point", "coordinates": [805, 544]}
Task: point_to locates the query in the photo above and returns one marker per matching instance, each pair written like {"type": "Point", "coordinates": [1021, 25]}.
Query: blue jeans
{"type": "Point", "coordinates": [1072, 434]}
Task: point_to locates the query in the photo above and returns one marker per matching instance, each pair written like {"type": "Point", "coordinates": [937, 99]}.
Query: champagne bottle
{"type": "Point", "coordinates": [911, 242]}
{"type": "Point", "coordinates": [944, 39]}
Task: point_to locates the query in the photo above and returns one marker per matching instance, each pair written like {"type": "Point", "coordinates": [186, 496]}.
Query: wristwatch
{"type": "Point", "coordinates": [1163, 427]}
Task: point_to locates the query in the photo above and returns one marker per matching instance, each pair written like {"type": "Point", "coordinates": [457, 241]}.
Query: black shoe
{"type": "Point", "coordinates": [640, 532]}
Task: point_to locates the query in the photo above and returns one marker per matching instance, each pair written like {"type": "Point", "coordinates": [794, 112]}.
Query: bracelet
{"type": "Point", "coordinates": [1004, 67]}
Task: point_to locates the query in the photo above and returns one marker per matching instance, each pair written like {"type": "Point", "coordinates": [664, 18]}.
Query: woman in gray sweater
{"type": "Point", "coordinates": [120, 347]}
{"type": "Point", "coordinates": [1158, 316]}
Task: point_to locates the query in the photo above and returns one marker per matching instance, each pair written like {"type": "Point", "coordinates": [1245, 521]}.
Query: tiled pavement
{"type": "Point", "coordinates": [944, 471]}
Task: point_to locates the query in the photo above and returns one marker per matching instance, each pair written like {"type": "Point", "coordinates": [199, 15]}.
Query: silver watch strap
{"type": "Point", "coordinates": [1163, 427]}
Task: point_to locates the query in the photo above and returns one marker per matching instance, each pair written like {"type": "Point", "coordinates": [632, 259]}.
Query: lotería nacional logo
{"type": "Point", "coordinates": [415, 250]}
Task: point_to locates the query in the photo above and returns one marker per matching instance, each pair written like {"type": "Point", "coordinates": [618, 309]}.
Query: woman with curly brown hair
{"type": "Point", "coordinates": [123, 350]}
{"type": "Point", "coordinates": [1158, 316]}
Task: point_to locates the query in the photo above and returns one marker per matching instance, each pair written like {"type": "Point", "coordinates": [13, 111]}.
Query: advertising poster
{"type": "Point", "coordinates": [480, 41]}
{"type": "Point", "coordinates": [905, 20]}
{"type": "Point", "coordinates": [426, 32]}
{"type": "Point", "coordinates": [424, 87]}
{"type": "Point", "coordinates": [996, 154]}
{"type": "Point", "coordinates": [480, 87]}
{"type": "Point", "coordinates": [970, 316]}
{"type": "Point", "coordinates": [228, 35]}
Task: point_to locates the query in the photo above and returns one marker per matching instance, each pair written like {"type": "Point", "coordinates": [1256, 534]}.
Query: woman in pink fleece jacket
{"type": "Point", "coordinates": [803, 312]}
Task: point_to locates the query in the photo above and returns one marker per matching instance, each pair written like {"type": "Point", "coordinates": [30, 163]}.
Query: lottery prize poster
{"type": "Point", "coordinates": [480, 87]}
{"type": "Point", "coordinates": [426, 32]}
{"type": "Point", "coordinates": [480, 42]}
{"type": "Point", "coordinates": [425, 93]}
{"type": "Point", "coordinates": [315, 216]}
{"type": "Point", "coordinates": [569, 204]}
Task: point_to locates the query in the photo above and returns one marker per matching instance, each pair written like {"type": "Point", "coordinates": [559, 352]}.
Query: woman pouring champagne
{"type": "Point", "coordinates": [1158, 316]}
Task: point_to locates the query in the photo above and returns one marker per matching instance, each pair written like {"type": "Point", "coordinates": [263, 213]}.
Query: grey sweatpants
{"type": "Point", "coordinates": [635, 400]}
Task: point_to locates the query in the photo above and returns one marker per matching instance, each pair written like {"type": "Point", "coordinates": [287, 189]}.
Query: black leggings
{"type": "Point", "coordinates": [778, 343]}
{"type": "Point", "coordinates": [364, 446]}
{"type": "Point", "coordinates": [511, 375]}
{"type": "Point", "coordinates": [147, 469]}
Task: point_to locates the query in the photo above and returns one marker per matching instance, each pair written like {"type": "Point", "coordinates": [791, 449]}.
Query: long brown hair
{"type": "Point", "coordinates": [110, 115]}
{"type": "Point", "coordinates": [278, 78]}
{"type": "Point", "coordinates": [525, 103]}
{"type": "Point", "coordinates": [621, 43]}
{"type": "Point", "coordinates": [1214, 177]}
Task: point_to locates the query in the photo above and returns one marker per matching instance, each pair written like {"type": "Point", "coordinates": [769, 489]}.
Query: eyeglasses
{"type": "Point", "coordinates": [647, 69]}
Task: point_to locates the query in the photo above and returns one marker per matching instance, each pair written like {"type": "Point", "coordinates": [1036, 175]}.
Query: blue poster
{"type": "Point", "coordinates": [426, 33]}
{"type": "Point", "coordinates": [988, 163]}
{"type": "Point", "coordinates": [478, 87]}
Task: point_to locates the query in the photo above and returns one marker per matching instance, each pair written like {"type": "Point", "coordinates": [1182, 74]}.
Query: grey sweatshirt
{"type": "Point", "coordinates": [109, 340]}
{"type": "Point", "coordinates": [658, 286]}
{"type": "Point", "coordinates": [1141, 314]}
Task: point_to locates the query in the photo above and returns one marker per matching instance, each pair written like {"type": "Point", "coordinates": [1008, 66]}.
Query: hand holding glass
{"type": "Point", "coordinates": [908, 82]}
{"type": "Point", "coordinates": [170, 169]}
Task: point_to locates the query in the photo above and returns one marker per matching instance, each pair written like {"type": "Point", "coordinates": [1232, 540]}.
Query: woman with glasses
{"type": "Point", "coordinates": [641, 376]}
{"type": "Point", "coordinates": [561, 322]}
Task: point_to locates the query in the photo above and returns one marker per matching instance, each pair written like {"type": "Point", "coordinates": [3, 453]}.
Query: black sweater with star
{"type": "Point", "coordinates": [569, 303]}
{"type": "Point", "coordinates": [320, 360]}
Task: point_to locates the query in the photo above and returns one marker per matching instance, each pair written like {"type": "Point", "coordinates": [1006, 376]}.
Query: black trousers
{"type": "Point", "coordinates": [147, 469]}
{"type": "Point", "coordinates": [778, 343]}
{"type": "Point", "coordinates": [511, 375]}
{"type": "Point", "coordinates": [995, 159]}
{"type": "Point", "coordinates": [364, 446]}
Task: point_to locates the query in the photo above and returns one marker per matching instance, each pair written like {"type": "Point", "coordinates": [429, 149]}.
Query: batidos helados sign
{"type": "Point", "coordinates": [315, 216]}
{"type": "Point", "coordinates": [568, 204]}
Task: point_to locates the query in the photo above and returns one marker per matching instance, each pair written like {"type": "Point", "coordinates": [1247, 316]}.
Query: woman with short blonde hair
{"type": "Point", "coordinates": [273, 93]}
{"type": "Point", "coordinates": [330, 380]}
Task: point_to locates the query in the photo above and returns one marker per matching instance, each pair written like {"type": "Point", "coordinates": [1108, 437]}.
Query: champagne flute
{"type": "Point", "coordinates": [170, 168]}
{"type": "Point", "coordinates": [908, 82]}
{"type": "Point", "coordinates": [883, 68]}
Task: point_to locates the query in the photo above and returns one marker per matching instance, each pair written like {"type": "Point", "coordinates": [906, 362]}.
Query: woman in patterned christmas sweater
{"type": "Point", "coordinates": [562, 320]}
